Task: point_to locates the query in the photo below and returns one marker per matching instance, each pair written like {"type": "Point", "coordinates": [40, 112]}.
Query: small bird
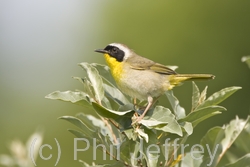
{"type": "Point", "coordinates": [142, 78]}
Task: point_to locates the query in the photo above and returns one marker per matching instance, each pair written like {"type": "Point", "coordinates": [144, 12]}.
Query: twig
{"type": "Point", "coordinates": [111, 130]}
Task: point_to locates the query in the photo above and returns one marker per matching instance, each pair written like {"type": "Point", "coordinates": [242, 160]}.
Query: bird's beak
{"type": "Point", "coordinates": [101, 51]}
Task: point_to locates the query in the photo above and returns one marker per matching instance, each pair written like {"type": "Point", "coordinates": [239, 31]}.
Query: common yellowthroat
{"type": "Point", "coordinates": [141, 78]}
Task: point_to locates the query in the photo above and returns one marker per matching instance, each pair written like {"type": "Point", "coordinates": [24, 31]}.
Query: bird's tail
{"type": "Point", "coordinates": [178, 78]}
{"type": "Point", "coordinates": [194, 76]}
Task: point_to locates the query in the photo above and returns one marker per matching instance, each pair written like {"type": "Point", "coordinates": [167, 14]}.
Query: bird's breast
{"type": "Point", "coordinates": [142, 83]}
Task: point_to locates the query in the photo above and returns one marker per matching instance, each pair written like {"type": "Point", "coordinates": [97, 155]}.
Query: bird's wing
{"type": "Point", "coordinates": [159, 68]}
{"type": "Point", "coordinates": [145, 64]}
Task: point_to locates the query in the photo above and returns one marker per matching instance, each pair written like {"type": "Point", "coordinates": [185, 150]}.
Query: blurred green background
{"type": "Point", "coordinates": [41, 43]}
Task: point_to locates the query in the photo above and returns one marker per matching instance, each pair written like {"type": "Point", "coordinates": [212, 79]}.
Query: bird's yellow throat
{"type": "Point", "coordinates": [115, 67]}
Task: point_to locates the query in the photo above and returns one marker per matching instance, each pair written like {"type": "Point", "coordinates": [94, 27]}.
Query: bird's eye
{"type": "Point", "coordinates": [114, 50]}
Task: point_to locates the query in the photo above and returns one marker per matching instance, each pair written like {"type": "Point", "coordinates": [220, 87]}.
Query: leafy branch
{"type": "Point", "coordinates": [160, 130]}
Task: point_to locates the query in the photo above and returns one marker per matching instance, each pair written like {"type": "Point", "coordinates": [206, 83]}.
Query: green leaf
{"type": "Point", "coordinates": [103, 127]}
{"type": "Point", "coordinates": [106, 102]}
{"type": "Point", "coordinates": [104, 71]}
{"type": "Point", "coordinates": [78, 134]}
{"type": "Point", "coordinates": [129, 151]}
{"type": "Point", "coordinates": [88, 89]}
{"type": "Point", "coordinates": [212, 141]}
{"type": "Point", "coordinates": [88, 133]}
{"type": "Point", "coordinates": [151, 159]}
{"type": "Point", "coordinates": [78, 123]}
{"type": "Point", "coordinates": [130, 134]}
{"type": "Point", "coordinates": [95, 80]}
{"type": "Point", "coordinates": [87, 139]}
{"type": "Point", "coordinates": [240, 142]}
{"type": "Point", "coordinates": [142, 134]}
{"type": "Point", "coordinates": [195, 96]}
{"type": "Point", "coordinates": [151, 150]}
{"type": "Point", "coordinates": [110, 113]}
{"type": "Point", "coordinates": [200, 115]}
{"type": "Point", "coordinates": [121, 117]}
{"type": "Point", "coordinates": [115, 94]}
{"type": "Point", "coordinates": [189, 161]}
{"type": "Point", "coordinates": [100, 125]}
{"type": "Point", "coordinates": [188, 127]}
{"type": "Point", "coordinates": [178, 110]}
{"type": "Point", "coordinates": [243, 161]}
{"type": "Point", "coordinates": [220, 139]}
{"type": "Point", "coordinates": [246, 59]}
{"type": "Point", "coordinates": [203, 95]}
{"type": "Point", "coordinates": [126, 107]}
{"type": "Point", "coordinates": [219, 96]}
{"type": "Point", "coordinates": [118, 163]}
{"type": "Point", "coordinates": [161, 118]}
{"type": "Point", "coordinates": [84, 164]}
{"type": "Point", "coordinates": [77, 97]}
{"type": "Point", "coordinates": [84, 118]}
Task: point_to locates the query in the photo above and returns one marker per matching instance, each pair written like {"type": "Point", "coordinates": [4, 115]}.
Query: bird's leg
{"type": "Point", "coordinates": [135, 105]}
{"type": "Point", "coordinates": [150, 103]}
{"type": "Point", "coordinates": [134, 101]}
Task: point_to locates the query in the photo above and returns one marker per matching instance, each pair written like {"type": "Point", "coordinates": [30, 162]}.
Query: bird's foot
{"type": "Point", "coordinates": [137, 119]}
